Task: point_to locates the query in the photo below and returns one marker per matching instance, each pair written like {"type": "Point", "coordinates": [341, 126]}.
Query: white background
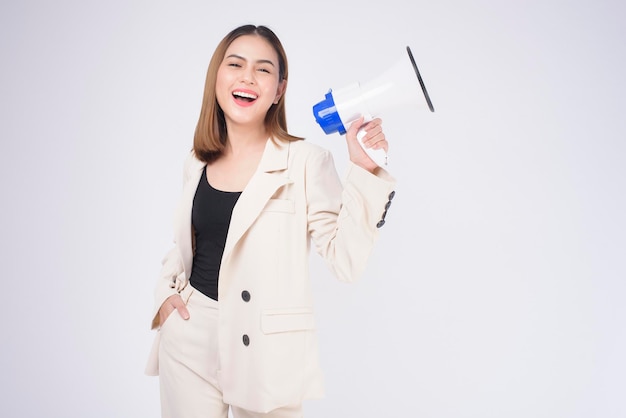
{"type": "Point", "coordinates": [497, 287]}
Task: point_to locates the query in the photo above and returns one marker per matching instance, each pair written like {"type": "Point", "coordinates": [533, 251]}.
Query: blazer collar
{"type": "Point", "coordinates": [274, 157]}
{"type": "Point", "coordinates": [268, 178]}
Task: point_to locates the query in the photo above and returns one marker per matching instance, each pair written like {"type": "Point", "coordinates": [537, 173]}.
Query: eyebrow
{"type": "Point", "coordinates": [261, 61]}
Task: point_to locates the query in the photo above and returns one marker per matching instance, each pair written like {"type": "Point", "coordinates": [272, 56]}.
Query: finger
{"type": "Point", "coordinates": [355, 126]}
{"type": "Point", "coordinates": [184, 313]}
{"type": "Point", "coordinates": [181, 308]}
{"type": "Point", "coordinates": [383, 144]}
{"type": "Point", "coordinates": [165, 312]}
{"type": "Point", "coordinates": [377, 122]}
{"type": "Point", "coordinates": [373, 136]}
{"type": "Point", "coordinates": [374, 125]}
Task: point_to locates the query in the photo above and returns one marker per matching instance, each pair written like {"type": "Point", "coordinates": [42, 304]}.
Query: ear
{"type": "Point", "coordinates": [282, 87]}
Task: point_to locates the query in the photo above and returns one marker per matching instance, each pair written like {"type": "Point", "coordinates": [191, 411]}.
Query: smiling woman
{"type": "Point", "coordinates": [233, 304]}
{"type": "Point", "coordinates": [258, 57]}
{"type": "Point", "coordinates": [248, 79]}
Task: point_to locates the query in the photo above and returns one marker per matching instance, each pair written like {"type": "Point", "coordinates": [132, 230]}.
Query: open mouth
{"type": "Point", "coordinates": [245, 96]}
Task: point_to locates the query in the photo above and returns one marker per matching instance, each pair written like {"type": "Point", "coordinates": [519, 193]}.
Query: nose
{"type": "Point", "coordinates": [248, 76]}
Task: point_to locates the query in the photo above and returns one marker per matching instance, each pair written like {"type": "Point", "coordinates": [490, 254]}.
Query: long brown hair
{"type": "Point", "coordinates": [210, 136]}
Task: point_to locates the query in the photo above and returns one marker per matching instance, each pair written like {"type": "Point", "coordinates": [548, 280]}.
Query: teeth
{"type": "Point", "coordinates": [245, 95]}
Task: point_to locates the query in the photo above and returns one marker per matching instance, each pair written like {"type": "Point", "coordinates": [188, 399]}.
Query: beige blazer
{"type": "Point", "coordinates": [295, 198]}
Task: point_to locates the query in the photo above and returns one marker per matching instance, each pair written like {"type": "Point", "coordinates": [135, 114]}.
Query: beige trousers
{"type": "Point", "coordinates": [188, 365]}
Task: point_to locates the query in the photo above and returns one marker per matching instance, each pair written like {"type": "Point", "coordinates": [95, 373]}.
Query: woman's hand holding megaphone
{"type": "Point", "coordinates": [371, 136]}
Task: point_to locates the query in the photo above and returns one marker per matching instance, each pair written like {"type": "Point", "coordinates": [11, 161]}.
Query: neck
{"type": "Point", "coordinates": [244, 139]}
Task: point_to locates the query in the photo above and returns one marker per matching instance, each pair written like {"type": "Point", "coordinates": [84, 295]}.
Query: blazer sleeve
{"type": "Point", "coordinates": [344, 219]}
{"type": "Point", "coordinates": [169, 281]}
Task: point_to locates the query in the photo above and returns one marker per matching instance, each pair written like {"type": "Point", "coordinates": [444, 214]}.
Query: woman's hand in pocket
{"type": "Point", "coordinates": [174, 302]}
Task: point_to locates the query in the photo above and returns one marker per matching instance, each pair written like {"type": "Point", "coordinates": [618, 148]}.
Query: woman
{"type": "Point", "coordinates": [254, 198]}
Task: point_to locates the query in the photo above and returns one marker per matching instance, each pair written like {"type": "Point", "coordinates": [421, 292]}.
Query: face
{"type": "Point", "coordinates": [248, 82]}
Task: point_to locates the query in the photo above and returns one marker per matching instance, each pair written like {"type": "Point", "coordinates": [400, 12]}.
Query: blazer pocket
{"type": "Point", "coordinates": [280, 205]}
{"type": "Point", "coordinates": [286, 320]}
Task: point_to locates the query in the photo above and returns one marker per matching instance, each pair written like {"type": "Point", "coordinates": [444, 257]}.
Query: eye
{"type": "Point", "coordinates": [234, 64]}
{"type": "Point", "coordinates": [264, 70]}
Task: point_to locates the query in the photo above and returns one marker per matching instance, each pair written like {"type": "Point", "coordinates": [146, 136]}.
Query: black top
{"type": "Point", "coordinates": [210, 217]}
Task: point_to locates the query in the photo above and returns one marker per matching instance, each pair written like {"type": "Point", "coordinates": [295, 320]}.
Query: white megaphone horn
{"type": "Point", "coordinates": [396, 87]}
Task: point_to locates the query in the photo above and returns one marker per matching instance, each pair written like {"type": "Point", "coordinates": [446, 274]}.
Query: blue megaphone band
{"type": "Point", "coordinates": [327, 117]}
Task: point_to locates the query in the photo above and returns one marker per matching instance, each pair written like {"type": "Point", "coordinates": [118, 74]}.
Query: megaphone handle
{"type": "Point", "coordinates": [379, 156]}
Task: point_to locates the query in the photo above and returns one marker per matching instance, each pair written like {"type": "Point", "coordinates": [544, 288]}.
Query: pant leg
{"type": "Point", "coordinates": [188, 362]}
{"type": "Point", "coordinates": [284, 412]}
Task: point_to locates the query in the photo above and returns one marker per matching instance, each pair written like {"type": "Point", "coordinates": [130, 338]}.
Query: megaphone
{"type": "Point", "coordinates": [396, 87]}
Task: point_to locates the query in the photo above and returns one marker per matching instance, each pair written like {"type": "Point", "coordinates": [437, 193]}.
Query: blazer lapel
{"type": "Point", "coordinates": [268, 178]}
